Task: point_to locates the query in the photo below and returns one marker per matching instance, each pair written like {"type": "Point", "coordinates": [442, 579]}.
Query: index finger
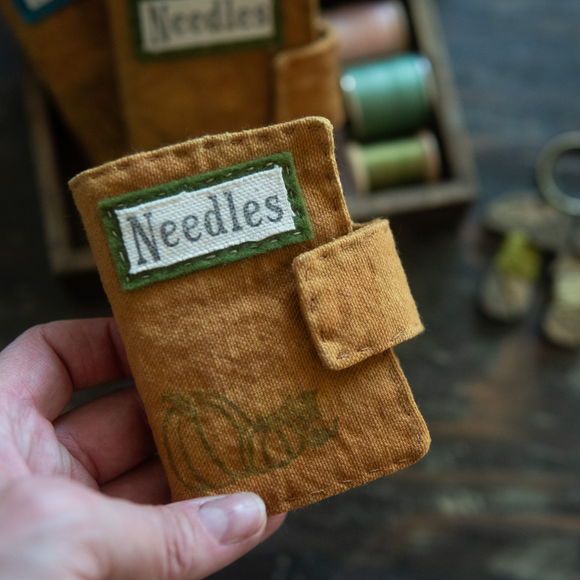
{"type": "Point", "coordinates": [46, 363]}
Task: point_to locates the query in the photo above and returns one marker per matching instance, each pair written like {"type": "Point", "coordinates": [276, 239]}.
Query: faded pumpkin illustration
{"type": "Point", "coordinates": [203, 423]}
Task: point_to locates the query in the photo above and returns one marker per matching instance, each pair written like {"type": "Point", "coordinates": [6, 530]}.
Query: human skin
{"type": "Point", "coordinates": [83, 494]}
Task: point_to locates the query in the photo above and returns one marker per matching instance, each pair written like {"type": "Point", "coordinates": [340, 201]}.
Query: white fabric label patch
{"type": "Point", "coordinates": [205, 220]}
{"type": "Point", "coordinates": [198, 223]}
{"type": "Point", "coordinates": [178, 25]}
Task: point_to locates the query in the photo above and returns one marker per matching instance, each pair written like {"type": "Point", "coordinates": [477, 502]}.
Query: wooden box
{"type": "Point", "coordinates": [459, 184]}
{"type": "Point", "coordinates": [57, 159]}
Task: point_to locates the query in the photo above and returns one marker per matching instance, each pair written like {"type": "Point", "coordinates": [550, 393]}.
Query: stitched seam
{"type": "Point", "coordinates": [312, 301]}
{"type": "Point", "coordinates": [385, 470]}
{"type": "Point", "coordinates": [132, 161]}
{"type": "Point", "coordinates": [390, 343]}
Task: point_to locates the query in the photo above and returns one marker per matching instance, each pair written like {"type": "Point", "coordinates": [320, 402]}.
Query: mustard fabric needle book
{"type": "Point", "coordinates": [194, 67]}
{"type": "Point", "coordinates": [259, 323]}
{"type": "Point", "coordinates": [68, 44]}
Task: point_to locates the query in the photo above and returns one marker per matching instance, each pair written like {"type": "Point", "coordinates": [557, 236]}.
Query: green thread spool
{"type": "Point", "coordinates": [388, 97]}
{"type": "Point", "coordinates": [390, 163]}
{"type": "Point", "coordinates": [518, 257]}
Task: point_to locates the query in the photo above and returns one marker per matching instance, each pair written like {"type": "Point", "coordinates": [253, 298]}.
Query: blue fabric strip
{"type": "Point", "coordinates": [32, 16]}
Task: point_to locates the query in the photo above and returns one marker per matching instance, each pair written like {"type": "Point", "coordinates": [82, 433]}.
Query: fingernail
{"type": "Point", "coordinates": [233, 518]}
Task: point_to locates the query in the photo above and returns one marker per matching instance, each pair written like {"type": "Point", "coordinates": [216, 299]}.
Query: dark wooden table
{"type": "Point", "coordinates": [498, 496]}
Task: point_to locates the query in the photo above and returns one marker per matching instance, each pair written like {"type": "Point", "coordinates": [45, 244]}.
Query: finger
{"type": "Point", "coordinates": [60, 529]}
{"type": "Point", "coordinates": [145, 484]}
{"type": "Point", "coordinates": [108, 436]}
{"type": "Point", "coordinates": [186, 540]}
{"type": "Point", "coordinates": [273, 524]}
{"type": "Point", "coordinates": [48, 361]}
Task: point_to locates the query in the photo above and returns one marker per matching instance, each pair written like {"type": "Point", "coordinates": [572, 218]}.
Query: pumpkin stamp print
{"type": "Point", "coordinates": [212, 443]}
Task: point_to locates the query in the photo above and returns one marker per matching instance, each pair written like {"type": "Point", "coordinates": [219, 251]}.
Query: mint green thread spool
{"type": "Point", "coordinates": [388, 97]}
{"type": "Point", "coordinates": [387, 164]}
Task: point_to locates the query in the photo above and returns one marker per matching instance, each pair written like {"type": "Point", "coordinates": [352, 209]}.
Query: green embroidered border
{"type": "Point", "coordinates": [142, 56]}
{"type": "Point", "coordinates": [129, 281]}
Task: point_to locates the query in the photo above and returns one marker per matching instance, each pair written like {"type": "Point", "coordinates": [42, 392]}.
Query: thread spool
{"type": "Point", "coordinates": [390, 163]}
{"type": "Point", "coordinates": [370, 29]}
{"type": "Point", "coordinates": [390, 97]}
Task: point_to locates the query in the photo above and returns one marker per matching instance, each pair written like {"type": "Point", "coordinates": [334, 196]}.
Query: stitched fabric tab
{"type": "Point", "coordinates": [35, 10]}
{"type": "Point", "coordinates": [204, 221]}
{"type": "Point", "coordinates": [354, 296]}
{"type": "Point", "coordinates": [170, 28]}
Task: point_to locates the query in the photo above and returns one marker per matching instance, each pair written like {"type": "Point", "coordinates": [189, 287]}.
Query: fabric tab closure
{"type": "Point", "coordinates": [354, 296]}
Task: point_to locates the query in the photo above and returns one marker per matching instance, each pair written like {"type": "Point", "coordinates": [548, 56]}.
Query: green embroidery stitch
{"type": "Point", "coordinates": [220, 18]}
{"type": "Point", "coordinates": [260, 446]}
{"type": "Point", "coordinates": [144, 239]}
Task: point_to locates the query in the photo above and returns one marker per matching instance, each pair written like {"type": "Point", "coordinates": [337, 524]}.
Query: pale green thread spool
{"type": "Point", "coordinates": [518, 257]}
{"type": "Point", "coordinates": [398, 162]}
{"type": "Point", "coordinates": [388, 97]}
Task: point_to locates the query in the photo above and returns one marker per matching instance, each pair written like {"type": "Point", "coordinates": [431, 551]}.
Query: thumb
{"type": "Point", "coordinates": [185, 540]}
